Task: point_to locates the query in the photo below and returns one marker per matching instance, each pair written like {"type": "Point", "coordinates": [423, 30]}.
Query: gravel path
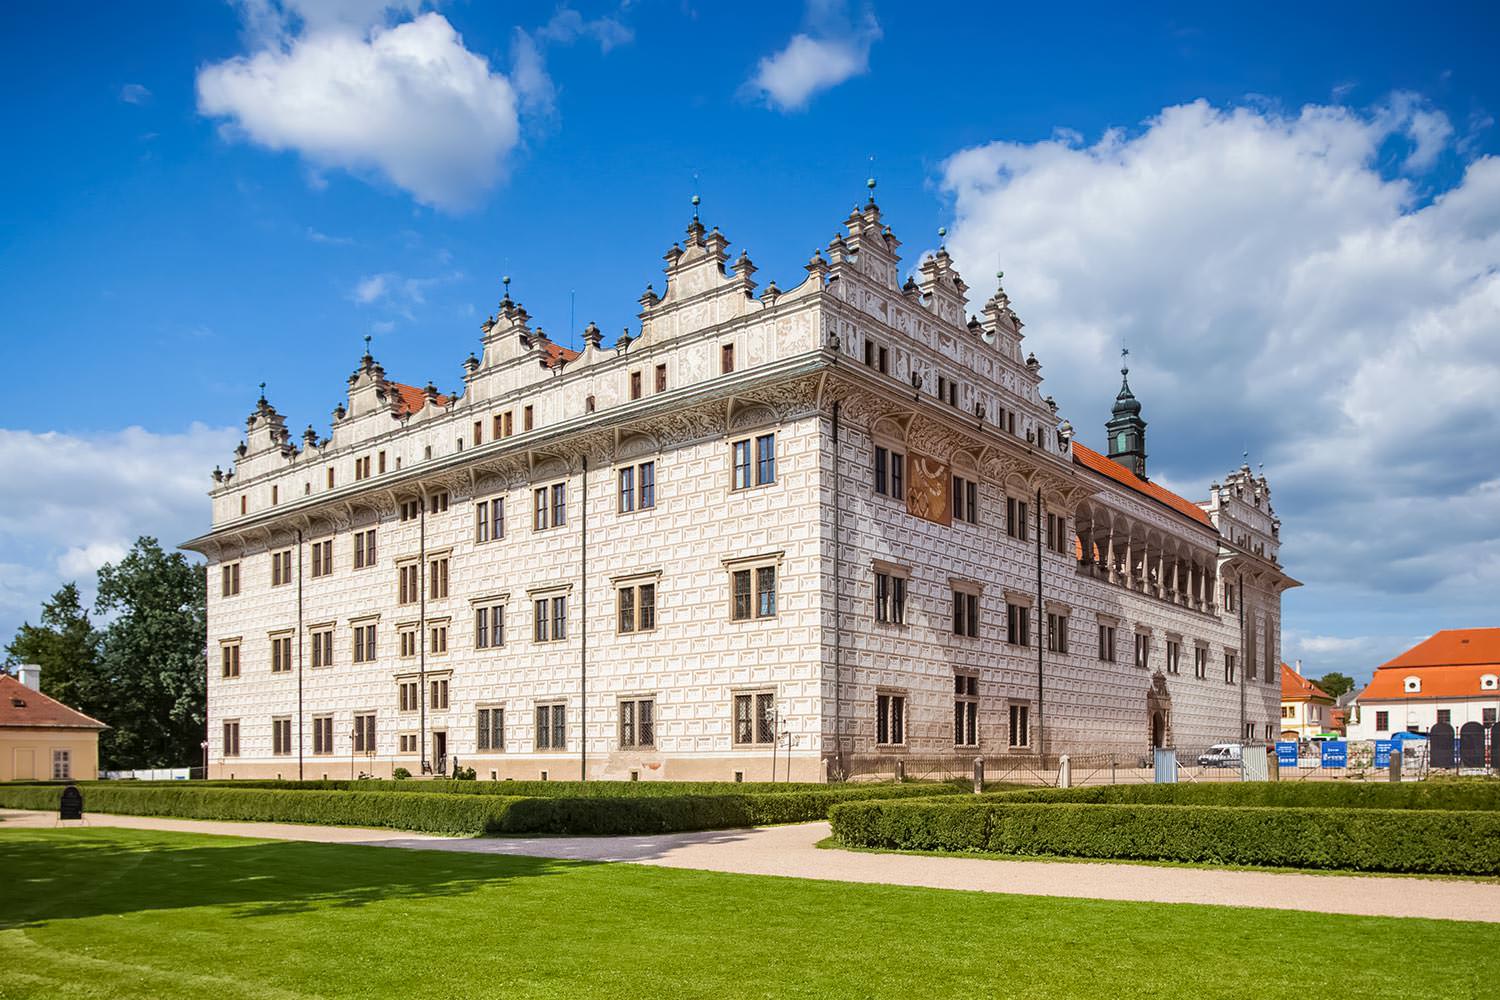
{"type": "Point", "coordinates": [791, 851]}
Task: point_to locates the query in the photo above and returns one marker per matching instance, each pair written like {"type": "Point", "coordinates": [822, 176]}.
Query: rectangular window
{"type": "Point", "coordinates": [437, 578]}
{"type": "Point", "coordinates": [551, 727]}
{"type": "Point", "coordinates": [281, 736]}
{"type": "Point", "coordinates": [869, 353]}
{"type": "Point", "coordinates": [1487, 718]}
{"type": "Point", "coordinates": [322, 646]}
{"type": "Point", "coordinates": [330, 477]}
{"type": "Point", "coordinates": [636, 608]}
{"type": "Point", "coordinates": [559, 507]}
{"type": "Point", "coordinates": [407, 693]}
{"type": "Point", "coordinates": [1143, 651]}
{"type": "Point", "coordinates": [364, 733]}
{"type": "Point", "coordinates": [1057, 633]}
{"type": "Point", "coordinates": [230, 579]}
{"type": "Point", "coordinates": [528, 418]}
{"type": "Point", "coordinates": [229, 655]}
{"type": "Point", "coordinates": [497, 427]}
{"type": "Point", "coordinates": [1228, 596]}
{"type": "Point", "coordinates": [408, 583]}
{"type": "Point", "coordinates": [638, 723]}
{"type": "Point", "coordinates": [890, 598]}
{"type": "Point", "coordinates": [437, 693]}
{"type": "Point", "coordinates": [755, 719]}
{"type": "Point", "coordinates": [231, 745]}
{"type": "Point", "coordinates": [510, 423]}
{"type": "Point", "coordinates": [281, 654]}
{"type": "Point", "coordinates": [408, 637]}
{"type": "Point", "coordinates": [1200, 662]}
{"type": "Point", "coordinates": [661, 378]}
{"type": "Point", "coordinates": [281, 568]}
{"type": "Point", "coordinates": [364, 548]}
{"type": "Point", "coordinates": [965, 500]}
{"type": "Point", "coordinates": [765, 459]}
{"type": "Point", "coordinates": [1174, 656]}
{"type": "Point", "coordinates": [890, 719]}
{"type": "Point", "coordinates": [322, 735]}
{"type": "Point", "coordinates": [410, 510]}
{"type": "Point", "coordinates": [439, 503]}
{"type": "Point", "coordinates": [437, 639]}
{"type": "Point", "coordinates": [1445, 716]}
{"type": "Point", "coordinates": [1229, 666]}
{"type": "Point", "coordinates": [637, 487]}
{"type": "Point", "coordinates": [966, 710]}
{"type": "Point", "coordinates": [62, 765]}
{"type": "Point", "coordinates": [491, 729]}
{"type": "Point", "coordinates": [965, 614]}
{"type": "Point", "coordinates": [489, 627]}
{"type": "Point", "coordinates": [635, 385]}
{"type": "Point", "coordinates": [364, 643]}
{"type": "Point", "coordinates": [1016, 512]}
{"type": "Point", "coordinates": [550, 621]}
{"type": "Point", "coordinates": [478, 433]}
{"type": "Point", "coordinates": [882, 478]}
{"type": "Point", "coordinates": [1020, 725]}
{"type": "Point", "coordinates": [753, 593]}
{"type": "Point", "coordinates": [1017, 624]}
{"type": "Point", "coordinates": [741, 464]}
{"type": "Point", "coordinates": [1057, 529]}
{"type": "Point", "coordinates": [726, 359]}
{"type": "Point", "coordinates": [322, 558]}
{"type": "Point", "coordinates": [884, 361]}
{"type": "Point", "coordinates": [1107, 643]}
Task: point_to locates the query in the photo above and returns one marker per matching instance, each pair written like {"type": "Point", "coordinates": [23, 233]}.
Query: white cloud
{"type": "Point", "coordinates": [70, 503]}
{"type": "Point", "coordinates": [371, 288]}
{"type": "Point", "coordinates": [567, 26]}
{"type": "Point", "coordinates": [409, 103]}
{"type": "Point", "coordinates": [1280, 288]}
{"type": "Point", "coordinates": [834, 47]}
{"type": "Point", "coordinates": [134, 93]}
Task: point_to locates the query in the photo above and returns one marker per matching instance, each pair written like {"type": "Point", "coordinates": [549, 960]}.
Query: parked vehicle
{"type": "Point", "coordinates": [1221, 755]}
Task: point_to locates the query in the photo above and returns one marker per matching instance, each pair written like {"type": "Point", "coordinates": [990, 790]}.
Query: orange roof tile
{"type": "Point", "coordinates": [1295, 687]}
{"type": "Point", "coordinates": [22, 707]}
{"type": "Point", "coordinates": [556, 352]}
{"type": "Point", "coordinates": [1450, 664]}
{"type": "Point", "coordinates": [410, 399]}
{"type": "Point", "coordinates": [1092, 460]}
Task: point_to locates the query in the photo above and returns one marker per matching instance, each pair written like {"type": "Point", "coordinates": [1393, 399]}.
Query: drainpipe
{"type": "Point", "coordinates": [583, 633]}
{"type": "Point", "coordinates": [838, 588]}
{"type": "Point", "coordinates": [1041, 618]}
{"type": "Point", "coordinates": [299, 656]}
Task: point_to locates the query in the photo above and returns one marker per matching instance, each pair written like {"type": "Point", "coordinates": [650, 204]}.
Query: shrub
{"type": "Point", "coordinates": [400, 774]}
{"type": "Point", "coordinates": [1358, 839]}
{"type": "Point", "coordinates": [1459, 795]}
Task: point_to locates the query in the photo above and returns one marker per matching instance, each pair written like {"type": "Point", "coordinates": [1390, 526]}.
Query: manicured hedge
{"type": "Point", "coordinates": [454, 813]}
{"type": "Point", "coordinates": [1459, 795]}
{"type": "Point", "coordinates": [1360, 839]}
{"type": "Point", "coordinates": [561, 789]}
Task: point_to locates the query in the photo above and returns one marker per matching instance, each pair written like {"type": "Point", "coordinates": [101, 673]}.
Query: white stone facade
{"type": "Point", "coordinates": [846, 362]}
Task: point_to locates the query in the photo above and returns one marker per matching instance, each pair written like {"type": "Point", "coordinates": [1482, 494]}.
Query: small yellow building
{"type": "Point", "coordinates": [1306, 709]}
{"type": "Point", "coordinates": [40, 737]}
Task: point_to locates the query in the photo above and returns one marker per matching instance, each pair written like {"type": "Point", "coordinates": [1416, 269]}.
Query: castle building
{"type": "Point", "coordinates": [772, 534]}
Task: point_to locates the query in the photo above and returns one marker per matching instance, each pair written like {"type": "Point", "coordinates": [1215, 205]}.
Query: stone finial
{"type": "Point", "coordinates": [309, 437]}
{"type": "Point", "coordinates": [771, 293]}
{"type": "Point", "coordinates": [1032, 363]}
{"type": "Point", "coordinates": [742, 265]}
{"type": "Point", "coordinates": [817, 266]}
{"type": "Point", "coordinates": [624, 340]}
{"type": "Point", "coordinates": [649, 298]}
{"type": "Point", "coordinates": [430, 391]}
{"type": "Point", "coordinates": [218, 474]}
{"type": "Point", "coordinates": [1051, 403]}
{"type": "Point", "coordinates": [471, 363]}
{"type": "Point", "coordinates": [592, 336]}
{"type": "Point", "coordinates": [241, 450]}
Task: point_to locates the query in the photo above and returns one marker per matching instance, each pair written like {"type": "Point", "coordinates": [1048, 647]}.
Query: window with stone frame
{"type": "Point", "coordinates": [408, 695]}
{"type": "Point", "coordinates": [229, 579]}
{"type": "Point", "coordinates": [364, 733]}
{"type": "Point", "coordinates": [489, 520]}
{"type": "Point", "coordinates": [281, 568]}
{"type": "Point", "coordinates": [966, 613]}
{"type": "Point", "coordinates": [1016, 518]}
{"type": "Point", "coordinates": [322, 727]}
{"type": "Point", "coordinates": [890, 597]}
{"type": "Point", "coordinates": [635, 607]}
{"type": "Point", "coordinates": [1057, 533]}
{"type": "Point", "coordinates": [550, 618]}
{"type": "Point", "coordinates": [1229, 667]}
{"type": "Point", "coordinates": [437, 635]}
{"type": "Point", "coordinates": [661, 378]}
{"type": "Point", "coordinates": [965, 710]}
{"type": "Point", "coordinates": [637, 487]}
{"type": "Point", "coordinates": [437, 694]}
{"type": "Point", "coordinates": [490, 729]}
{"type": "Point", "coordinates": [890, 718]}
{"type": "Point", "coordinates": [965, 500]}
{"type": "Point", "coordinates": [320, 638]}
{"type": "Point", "coordinates": [754, 461]}
{"type": "Point", "coordinates": [890, 473]}
{"type": "Point", "coordinates": [229, 659]}
{"type": "Point", "coordinates": [363, 646]}
{"type": "Point", "coordinates": [364, 548]}
{"type": "Point", "coordinates": [726, 359]}
{"type": "Point", "coordinates": [637, 723]}
{"type": "Point", "coordinates": [437, 578]}
{"type": "Point", "coordinates": [1106, 642]}
{"type": "Point", "coordinates": [406, 636]}
{"type": "Point", "coordinates": [230, 747]}
{"type": "Point", "coordinates": [1018, 734]}
{"type": "Point", "coordinates": [1174, 656]}
{"type": "Point", "coordinates": [752, 590]}
{"type": "Point", "coordinates": [281, 654]}
{"type": "Point", "coordinates": [755, 718]}
{"type": "Point", "coordinates": [408, 583]}
{"type": "Point", "coordinates": [1143, 650]}
{"type": "Point", "coordinates": [281, 736]}
{"type": "Point", "coordinates": [1200, 661]}
{"type": "Point", "coordinates": [489, 626]}
{"type": "Point", "coordinates": [322, 559]}
{"type": "Point", "coordinates": [1017, 623]}
{"type": "Point", "coordinates": [1057, 632]}
{"type": "Point", "coordinates": [552, 727]}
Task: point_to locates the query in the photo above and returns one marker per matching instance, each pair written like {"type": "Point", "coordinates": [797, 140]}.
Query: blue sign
{"type": "Point", "coordinates": [1383, 750]}
{"type": "Point", "coordinates": [1286, 753]}
{"type": "Point", "coordinates": [1335, 753]}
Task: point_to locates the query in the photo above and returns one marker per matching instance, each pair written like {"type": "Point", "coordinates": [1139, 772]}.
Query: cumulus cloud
{"type": "Point", "coordinates": [71, 503]}
{"type": "Point", "coordinates": [135, 93]}
{"type": "Point", "coordinates": [833, 47]}
{"type": "Point", "coordinates": [1282, 287]}
{"type": "Point", "coordinates": [409, 102]}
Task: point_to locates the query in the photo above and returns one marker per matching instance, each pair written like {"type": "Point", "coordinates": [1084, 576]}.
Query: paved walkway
{"type": "Point", "coordinates": [791, 851]}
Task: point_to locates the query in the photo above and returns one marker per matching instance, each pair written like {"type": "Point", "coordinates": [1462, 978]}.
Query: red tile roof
{"type": "Point", "coordinates": [1092, 460]}
{"type": "Point", "coordinates": [556, 352]}
{"type": "Point", "coordinates": [1450, 664]}
{"type": "Point", "coordinates": [22, 707]}
{"type": "Point", "coordinates": [410, 399]}
{"type": "Point", "coordinates": [1295, 687]}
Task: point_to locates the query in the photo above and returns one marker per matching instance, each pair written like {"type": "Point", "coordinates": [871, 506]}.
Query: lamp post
{"type": "Point", "coordinates": [204, 746]}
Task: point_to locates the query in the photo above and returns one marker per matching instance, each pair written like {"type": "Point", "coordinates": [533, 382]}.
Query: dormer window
{"type": "Point", "coordinates": [1412, 685]}
{"type": "Point", "coordinates": [1489, 682]}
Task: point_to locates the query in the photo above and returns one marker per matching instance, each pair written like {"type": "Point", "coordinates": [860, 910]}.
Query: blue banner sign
{"type": "Point", "coordinates": [1383, 750]}
{"type": "Point", "coordinates": [1335, 753]}
{"type": "Point", "coordinates": [1286, 753]}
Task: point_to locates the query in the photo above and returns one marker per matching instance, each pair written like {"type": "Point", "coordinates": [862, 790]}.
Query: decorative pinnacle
{"type": "Point", "coordinates": [1124, 361]}
{"type": "Point", "coordinates": [696, 201]}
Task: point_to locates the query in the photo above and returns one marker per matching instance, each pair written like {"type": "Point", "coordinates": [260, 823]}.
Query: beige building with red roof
{"type": "Point", "coordinates": [1306, 709]}
{"type": "Point", "coordinates": [1452, 677]}
{"type": "Point", "coordinates": [40, 737]}
{"type": "Point", "coordinates": [768, 533]}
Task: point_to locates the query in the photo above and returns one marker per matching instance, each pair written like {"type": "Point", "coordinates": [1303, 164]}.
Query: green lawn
{"type": "Point", "coordinates": [115, 913]}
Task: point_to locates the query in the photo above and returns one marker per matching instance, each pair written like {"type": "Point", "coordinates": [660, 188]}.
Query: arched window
{"type": "Point", "coordinates": [1120, 441]}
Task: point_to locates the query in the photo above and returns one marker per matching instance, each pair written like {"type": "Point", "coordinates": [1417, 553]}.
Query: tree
{"type": "Point", "coordinates": [151, 658]}
{"type": "Point", "coordinates": [66, 646]}
{"type": "Point", "coordinates": [1335, 684]}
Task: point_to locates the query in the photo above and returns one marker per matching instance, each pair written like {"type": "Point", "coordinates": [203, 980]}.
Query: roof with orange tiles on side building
{"type": "Point", "coordinates": [23, 708]}
{"type": "Point", "coordinates": [1453, 663]}
{"type": "Point", "coordinates": [1108, 467]}
{"type": "Point", "coordinates": [1295, 687]}
{"type": "Point", "coordinates": [410, 399]}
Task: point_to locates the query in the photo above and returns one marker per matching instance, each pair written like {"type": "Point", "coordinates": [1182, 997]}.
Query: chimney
{"type": "Point", "coordinates": [1297, 666]}
{"type": "Point", "coordinates": [30, 674]}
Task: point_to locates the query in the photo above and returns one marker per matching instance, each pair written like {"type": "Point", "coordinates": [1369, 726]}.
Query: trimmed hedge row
{"type": "Point", "coordinates": [453, 813]}
{"type": "Point", "coordinates": [1350, 839]}
{"type": "Point", "coordinates": [1450, 795]}
{"type": "Point", "coordinates": [554, 789]}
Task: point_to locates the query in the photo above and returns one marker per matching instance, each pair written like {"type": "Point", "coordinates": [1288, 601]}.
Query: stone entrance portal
{"type": "Point", "coordinates": [1159, 712]}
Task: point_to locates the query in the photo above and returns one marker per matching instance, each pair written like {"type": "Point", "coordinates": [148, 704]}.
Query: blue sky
{"type": "Point", "coordinates": [1290, 212]}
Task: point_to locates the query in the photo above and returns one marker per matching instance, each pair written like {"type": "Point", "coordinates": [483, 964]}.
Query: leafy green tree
{"type": "Point", "coordinates": [1335, 684]}
{"type": "Point", "coordinates": [66, 646]}
{"type": "Point", "coordinates": [151, 658]}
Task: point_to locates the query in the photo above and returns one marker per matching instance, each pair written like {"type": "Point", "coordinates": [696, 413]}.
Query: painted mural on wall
{"type": "Point", "coordinates": [927, 486]}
